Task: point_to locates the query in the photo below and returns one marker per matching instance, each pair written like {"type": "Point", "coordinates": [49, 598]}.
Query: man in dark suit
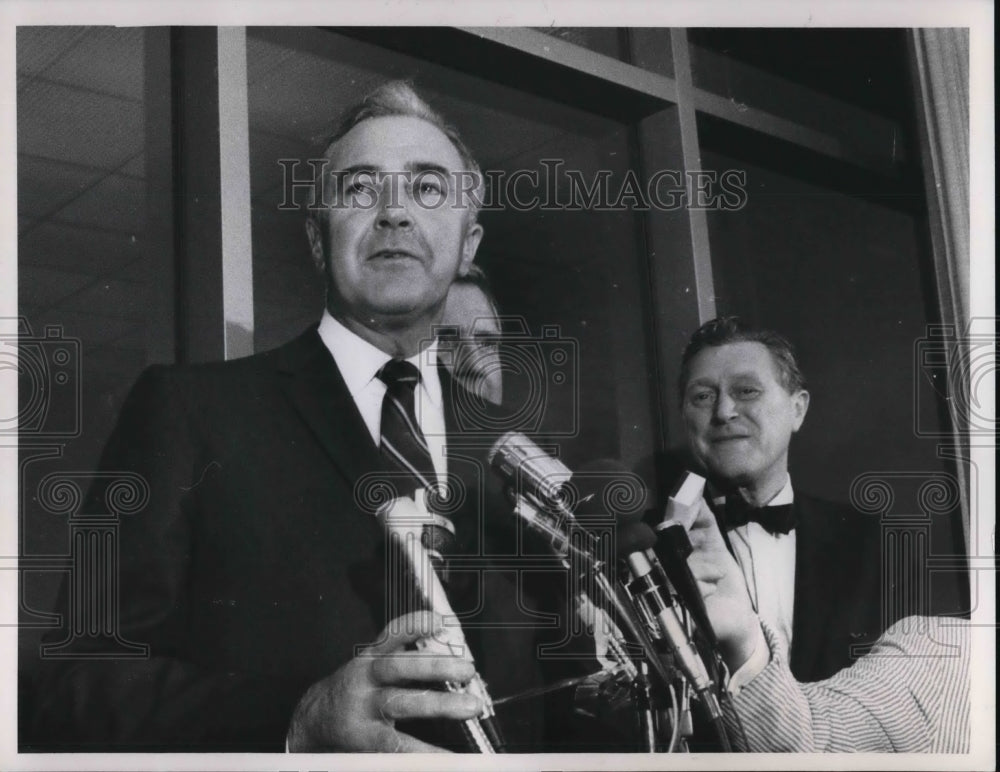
{"type": "Point", "coordinates": [813, 568]}
{"type": "Point", "coordinates": [257, 572]}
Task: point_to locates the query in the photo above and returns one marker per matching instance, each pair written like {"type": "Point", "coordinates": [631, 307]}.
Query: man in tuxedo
{"type": "Point", "coordinates": [909, 694]}
{"type": "Point", "coordinates": [813, 568]}
{"type": "Point", "coordinates": [256, 574]}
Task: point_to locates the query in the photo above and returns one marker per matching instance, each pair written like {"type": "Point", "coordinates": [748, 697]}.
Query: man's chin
{"type": "Point", "coordinates": [403, 305]}
{"type": "Point", "coordinates": [730, 475]}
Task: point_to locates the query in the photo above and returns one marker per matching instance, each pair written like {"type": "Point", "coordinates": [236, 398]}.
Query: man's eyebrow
{"type": "Point", "coordinates": [415, 167]}
{"type": "Point", "coordinates": [355, 169]}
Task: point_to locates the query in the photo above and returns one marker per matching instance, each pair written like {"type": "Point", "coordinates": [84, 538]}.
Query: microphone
{"type": "Point", "coordinates": [539, 477]}
{"type": "Point", "coordinates": [648, 587]}
{"type": "Point", "coordinates": [404, 520]}
{"type": "Point", "coordinates": [673, 548]}
{"type": "Point", "coordinates": [542, 500]}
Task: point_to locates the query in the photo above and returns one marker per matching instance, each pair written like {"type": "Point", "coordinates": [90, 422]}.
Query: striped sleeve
{"type": "Point", "coordinates": [909, 694]}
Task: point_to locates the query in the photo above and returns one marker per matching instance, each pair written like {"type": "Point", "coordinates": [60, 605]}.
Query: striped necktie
{"type": "Point", "coordinates": [404, 449]}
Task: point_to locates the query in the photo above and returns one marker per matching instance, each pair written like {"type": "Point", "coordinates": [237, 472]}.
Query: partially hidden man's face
{"type": "Point", "coordinates": [395, 233]}
{"type": "Point", "coordinates": [476, 354]}
{"type": "Point", "coordinates": [738, 417]}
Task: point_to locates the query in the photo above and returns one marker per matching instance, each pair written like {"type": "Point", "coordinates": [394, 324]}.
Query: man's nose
{"type": "Point", "coordinates": [725, 408]}
{"type": "Point", "coordinates": [393, 207]}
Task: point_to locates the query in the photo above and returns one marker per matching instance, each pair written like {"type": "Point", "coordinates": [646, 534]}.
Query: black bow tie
{"type": "Point", "coordinates": [776, 519]}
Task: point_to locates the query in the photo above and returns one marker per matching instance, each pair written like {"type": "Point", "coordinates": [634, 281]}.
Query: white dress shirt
{"type": "Point", "coordinates": [768, 564]}
{"type": "Point", "coordinates": [359, 363]}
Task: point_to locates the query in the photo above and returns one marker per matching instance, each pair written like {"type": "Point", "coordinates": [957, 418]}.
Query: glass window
{"type": "Point", "coordinates": [84, 275]}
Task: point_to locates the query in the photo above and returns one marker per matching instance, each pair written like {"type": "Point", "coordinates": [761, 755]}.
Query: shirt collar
{"type": "Point", "coordinates": [785, 496]}
{"type": "Point", "coordinates": [359, 361]}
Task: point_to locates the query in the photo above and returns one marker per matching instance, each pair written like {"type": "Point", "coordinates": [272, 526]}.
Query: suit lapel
{"type": "Point", "coordinates": [316, 390]}
{"type": "Point", "coordinates": [816, 583]}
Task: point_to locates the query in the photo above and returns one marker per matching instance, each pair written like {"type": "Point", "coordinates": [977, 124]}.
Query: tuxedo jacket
{"type": "Point", "coordinates": [838, 612]}
{"type": "Point", "coordinates": [257, 566]}
{"type": "Point", "coordinates": [910, 694]}
{"type": "Point", "coordinates": [840, 605]}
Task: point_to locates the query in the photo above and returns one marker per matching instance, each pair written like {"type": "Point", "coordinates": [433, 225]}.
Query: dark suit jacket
{"type": "Point", "coordinates": [840, 588]}
{"type": "Point", "coordinates": [255, 570]}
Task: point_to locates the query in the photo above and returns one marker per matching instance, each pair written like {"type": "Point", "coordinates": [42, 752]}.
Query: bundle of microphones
{"type": "Point", "coordinates": [647, 617]}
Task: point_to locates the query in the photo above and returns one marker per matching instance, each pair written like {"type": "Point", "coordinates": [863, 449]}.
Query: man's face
{"type": "Point", "coordinates": [738, 417]}
{"type": "Point", "coordinates": [476, 353]}
{"type": "Point", "coordinates": [395, 235]}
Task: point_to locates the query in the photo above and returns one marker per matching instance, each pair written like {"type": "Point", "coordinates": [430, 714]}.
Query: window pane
{"type": "Point", "coordinates": [84, 275]}
{"type": "Point", "coordinates": [848, 87]}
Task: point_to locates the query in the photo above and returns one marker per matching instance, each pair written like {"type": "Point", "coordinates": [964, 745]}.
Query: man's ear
{"type": "Point", "coordinates": [800, 406]}
{"type": "Point", "coordinates": [315, 233]}
{"type": "Point", "coordinates": [470, 245]}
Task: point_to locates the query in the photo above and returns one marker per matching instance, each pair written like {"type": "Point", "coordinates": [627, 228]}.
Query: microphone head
{"type": "Point", "coordinates": [633, 537]}
{"type": "Point", "coordinates": [684, 502]}
{"type": "Point", "coordinates": [530, 469]}
{"type": "Point", "coordinates": [507, 440]}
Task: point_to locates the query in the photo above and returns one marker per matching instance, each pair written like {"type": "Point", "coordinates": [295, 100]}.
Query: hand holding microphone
{"type": "Point", "coordinates": [673, 546]}
{"type": "Point", "coordinates": [405, 521]}
{"type": "Point", "coordinates": [356, 707]}
{"type": "Point", "coordinates": [721, 584]}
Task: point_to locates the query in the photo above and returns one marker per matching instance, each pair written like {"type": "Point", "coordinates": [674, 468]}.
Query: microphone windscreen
{"type": "Point", "coordinates": [684, 502]}
{"type": "Point", "coordinates": [633, 537]}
